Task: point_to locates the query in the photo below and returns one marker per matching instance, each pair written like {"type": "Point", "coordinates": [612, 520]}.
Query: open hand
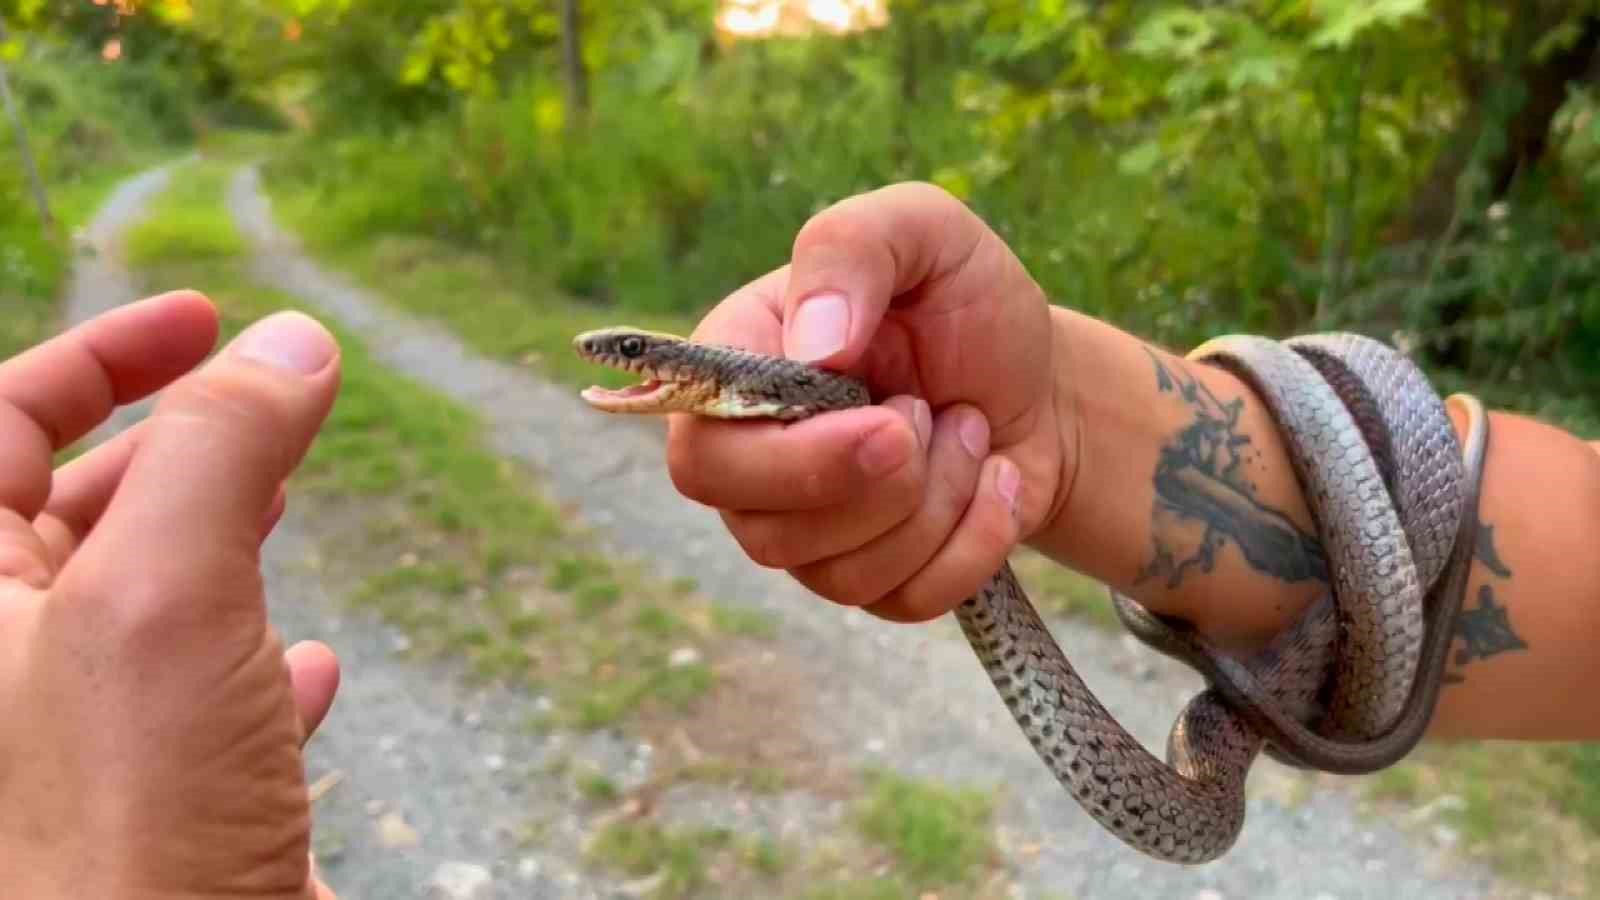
{"type": "Point", "coordinates": [152, 722]}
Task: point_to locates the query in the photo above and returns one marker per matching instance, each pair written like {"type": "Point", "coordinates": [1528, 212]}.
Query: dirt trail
{"type": "Point", "coordinates": [913, 699]}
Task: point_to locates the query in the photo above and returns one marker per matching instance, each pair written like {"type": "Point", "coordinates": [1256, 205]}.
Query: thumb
{"type": "Point", "coordinates": [213, 454]}
{"type": "Point", "coordinates": [853, 259]}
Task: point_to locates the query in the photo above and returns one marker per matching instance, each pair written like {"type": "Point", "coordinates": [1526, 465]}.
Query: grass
{"type": "Point", "coordinates": [1529, 810]}
{"type": "Point", "coordinates": [916, 838]}
{"type": "Point", "coordinates": [684, 862]}
{"type": "Point", "coordinates": [437, 533]}
{"type": "Point", "coordinates": [937, 835]}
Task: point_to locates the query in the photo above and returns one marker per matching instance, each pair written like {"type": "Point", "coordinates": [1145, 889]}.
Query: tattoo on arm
{"type": "Point", "coordinates": [1200, 481]}
{"type": "Point", "coordinates": [1203, 501]}
{"type": "Point", "coordinates": [1485, 630]}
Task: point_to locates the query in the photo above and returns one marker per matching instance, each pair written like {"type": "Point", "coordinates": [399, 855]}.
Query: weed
{"type": "Point", "coordinates": [644, 848]}
{"type": "Point", "coordinates": [737, 620]}
{"type": "Point", "coordinates": [597, 788]}
{"type": "Point", "coordinates": [938, 835]}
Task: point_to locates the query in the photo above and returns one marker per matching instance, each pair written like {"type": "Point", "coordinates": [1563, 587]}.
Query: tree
{"type": "Point", "coordinates": [41, 198]}
{"type": "Point", "coordinates": [575, 73]}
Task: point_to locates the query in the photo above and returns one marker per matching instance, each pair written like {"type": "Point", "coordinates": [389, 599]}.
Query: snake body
{"type": "Point", "coordinates": [1348, 687]}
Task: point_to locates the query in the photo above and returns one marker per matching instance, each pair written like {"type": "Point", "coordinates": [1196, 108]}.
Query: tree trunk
{"type": "Point", "coordinates": [577, 77]}
{"type": "Point", "coordinates": [1527, 131]}
{"type": "Point", "coordinates": [24, 151]}
{"type": "Point", "coordinates": [910, 82]}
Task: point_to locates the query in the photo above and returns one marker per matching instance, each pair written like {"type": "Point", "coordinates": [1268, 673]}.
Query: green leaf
{"type": "Point", "coordinates": [1174, 33]}
{"type": "Point", "coordinates": [1348, 19]}
{"type": "Point", "coordinates": [1141, 160]}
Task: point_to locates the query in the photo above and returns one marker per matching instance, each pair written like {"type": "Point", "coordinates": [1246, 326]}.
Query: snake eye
{"type": "Point", "coordinates": [632, 346]}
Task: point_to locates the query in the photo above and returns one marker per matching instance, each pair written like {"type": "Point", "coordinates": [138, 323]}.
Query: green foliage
{"type": "Point", "coordinates": [1181, 171]}
{"type": "Point", "coordinates": [86, 123]}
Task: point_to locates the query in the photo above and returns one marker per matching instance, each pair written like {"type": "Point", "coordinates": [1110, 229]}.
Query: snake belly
{"type": "Point", "coordinates": [1361, 430]}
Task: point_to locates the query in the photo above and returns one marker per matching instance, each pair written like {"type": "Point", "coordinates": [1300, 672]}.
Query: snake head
{"type": "Point", "coordinates": [656, 356]}
{"type": "Point", "coordinates": [680, 375]}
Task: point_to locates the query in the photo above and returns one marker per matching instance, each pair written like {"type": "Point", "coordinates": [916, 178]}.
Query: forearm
{"type": "Point", "coordinates": [1181, 495]}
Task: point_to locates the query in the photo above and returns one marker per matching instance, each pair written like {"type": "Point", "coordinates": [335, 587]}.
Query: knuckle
{"type": "Point", "coordinates": [992, 536]}
{"type": "Point", "coordinates": [913, 604]}
{"type": "Point", "coordinates": [768, 545]}
{"type": "Point", "coordinates": [845, 582]}
{"type": "Point", "coordinates": [690, 466]}
{"type": "Point", "coordinates": [232, 408]}
{"type": "Point", "coordinates": [953, 487]}
{"type": "Point", "coordinates": [901, 494]}
{"type": "Point", "coordinates": [835, 226]}
{"type": "Point", "coordinates": [168, 606]}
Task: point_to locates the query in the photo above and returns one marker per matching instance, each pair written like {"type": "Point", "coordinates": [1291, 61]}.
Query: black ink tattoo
{"type": "Point", "coordinates": [1200, 479]}
{"type": "Point", "coordinates": [1486, 553]}
{"type": "Point", "coordinates": [1486, 630]}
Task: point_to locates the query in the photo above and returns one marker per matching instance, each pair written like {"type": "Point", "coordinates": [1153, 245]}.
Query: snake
{"type": "Point", "coordinates": [1348, 687]}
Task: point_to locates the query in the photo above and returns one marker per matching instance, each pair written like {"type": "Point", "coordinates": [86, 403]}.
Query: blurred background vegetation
{"type": "Point", "coordinates": [1419, 171]}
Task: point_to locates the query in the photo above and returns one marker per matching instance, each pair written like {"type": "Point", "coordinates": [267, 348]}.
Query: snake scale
{"type": "Point", "coordinates": [1349, 687]}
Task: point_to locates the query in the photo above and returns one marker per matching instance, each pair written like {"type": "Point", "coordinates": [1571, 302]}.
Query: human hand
{"type": "Point", "coordinates": [907, 507]}
{"type": "Point", "coordinates": [153, 722]}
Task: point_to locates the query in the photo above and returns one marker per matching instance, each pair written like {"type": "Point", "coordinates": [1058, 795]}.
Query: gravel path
{"type": "Point", "coordinates": [409, 739]}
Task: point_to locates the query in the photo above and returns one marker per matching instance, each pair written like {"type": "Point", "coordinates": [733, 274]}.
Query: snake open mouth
{"type": "Point", "coordinates": [644, 391]}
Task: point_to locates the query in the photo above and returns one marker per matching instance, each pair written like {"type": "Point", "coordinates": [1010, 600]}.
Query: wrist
{"type": "Point", "coordinates": [1179, 491]}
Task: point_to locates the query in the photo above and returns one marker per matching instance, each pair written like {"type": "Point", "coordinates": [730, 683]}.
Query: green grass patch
{"type": "Point", "coordinates": [738, 620]}
{"type": "Point", "coordinates": [679, 857]}
{"type": "Point", "coordinates": [880, 888]}
{"type": "Point", "coordinates": [597, 788]}
{"type": "Point", "coordinates": [938, 835]}
{"type": "Point", "coordinates": [1530, 810]}
{"type": "Point", "coordinates": [188, 224]}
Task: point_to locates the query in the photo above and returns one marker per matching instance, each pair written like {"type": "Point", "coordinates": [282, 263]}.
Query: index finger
{"type": "Point", "coordinates": [55, 393]}
{"type": "Point", "coordinates": [761, 466]}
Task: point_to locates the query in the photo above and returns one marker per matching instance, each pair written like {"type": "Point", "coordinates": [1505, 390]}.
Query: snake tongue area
{"type": "Point", "coordinates": [646, 394]}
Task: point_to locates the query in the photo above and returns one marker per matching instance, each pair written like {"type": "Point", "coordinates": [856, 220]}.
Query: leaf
{"type": "Point", "coordinates": [1347, 19]}
{"type": "Point", "coordinates": [1260, 71]}
{"type": "Point", "coordinates": [1141, 160]}
{"type": "Point", "coordinates": [954, 180]}
{"type": "Point", "coordinates": [1175, 33]}
{"type": "Point", "coordinates": [1559, 38]}
{"type": "Point", "coordinates": [549, 114]}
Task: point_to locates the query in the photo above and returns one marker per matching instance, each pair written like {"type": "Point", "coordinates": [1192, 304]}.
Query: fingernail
{"type": "Point", "coordinates": [819, 328]}
{"type": "Point", "coordinates": [917, 413]}
{"type": "Point", "coordinates": [922, 420]}
{"type": "Point", "coordinates": [974, 434]}
{"type": "Point", "coordinates": [882, 452]}
{"type": "Point", "coordinates": [290, 341]}
{"type": "Point", "coordinates": [1008, 483]}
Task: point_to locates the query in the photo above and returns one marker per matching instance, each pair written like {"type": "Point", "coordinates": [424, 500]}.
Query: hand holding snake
{"type": "Point", "coordinates": [934, 305]}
